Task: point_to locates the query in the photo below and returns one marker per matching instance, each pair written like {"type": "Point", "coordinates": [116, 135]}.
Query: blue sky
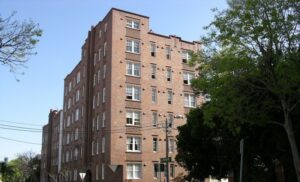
{"type": "Point", "coordinates": [65, 24]}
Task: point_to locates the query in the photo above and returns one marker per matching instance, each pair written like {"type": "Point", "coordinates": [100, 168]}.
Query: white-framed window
{"type": "Point", "coordinates": [168, 52]}
{"type": "Point", "coordinates": [187, 77]}
{"type": "Point", "coordinates": [134, 170]}
{"type": "Point", "coordinates": [103, 145]}
{"type": "Point", "coordinates": [78, 77]}
{"type": "Point", "coordinates": [135, 24]}
{"type": "Point", "coordinates": [103, 119]}
{"type": "Point", "coordinates": [172, 144]}
{"type": "Point", "coordinates": [102, 171]}
{"type": "Point", "coordinates": [75, 174]}
{"type": "Point", "coordinates": [68, 138]}
{"type": "Point", "coordinates": [100, 33]}
{"type": "Point", "coordinates": [94, 79]}
{"type": "Point", "coordinates": [93, 148]}
{"type": "Point", "coordinates": [98, 98]}
{"type": "Point", "coordinates": [76, 153]}
{"type": "Point", "coordinates": [169, 74]}
{"type": "Point", "coordinates": [76, 133]}
{"type": "Point", "coordinates": [97, 122]}
{"type": "Point", "coordinates": [104, 49]}
{"type": "Point", "coordinates": [133, 144]}
{"type": "Point", "coordinates": [77, 95]}
{"type": "Point", "coordinates": [133, 68]}
{"type": "Point", "coordinates": [189, 100]}
{"type": "Point", "coordinates": [133, 117]}
{"type": "Point", "coordinates": [186, 56]}
{"type": "Point", "coordinates": [103, 96]}
{"type": "Point", "coordinates": [95, 58]}
{"type": "Point", "coordinates": [68, 120]}
{"type": "Point", "coordinates": [69, 103]}
{"type": "Point", "coordinates": [170, 96]}
{"type": "Point", "coordinates": [104, 71]}
{"type": "Point", "coordinates": [154, 144]}
{"type": "Point", "coordinates": [99, 76]}
{"type": "Point", "coordinates": [94, 101]}
{"type": "Point", "coordinates": [105, 27]}
{"type": "Point", "coordinates": [99, 54]}
{"type": "Point", "coordinates": [77, 114]}
{"type": "Point", "coordinates": [153, 71]}
{"type": "Point", "coordinates": [97, 172]}
{"type": "Point", "coordinates": [153, 95]}
{"type": "Point", "coordinates": [70, 86]}
{"type": "Point", "coordinates": [172, 170]}
{"type": "Point", "coordinates": [97, 146]}
{"type": "Point", "coordinates": [153, 49]}
{"type": "Point", "coordinates": [154, 119]}
{"type": "Point", "coordinates": [170, 120]}
{"type": "Point", "coordinates": [133, 92]}
{"type": "Point", "coordinates": [133, 46]}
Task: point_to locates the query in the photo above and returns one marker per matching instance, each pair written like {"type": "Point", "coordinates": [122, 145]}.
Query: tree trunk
{"type": "Point", "coordinates": [288, 126]}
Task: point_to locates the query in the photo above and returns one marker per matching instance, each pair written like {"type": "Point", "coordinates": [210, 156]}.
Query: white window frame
{"type": "Point", "coordinates": [104, 49]}
{"type": "Point", "coordinates": [187, 77]}
{"type": "Point", "coordinates": [185, 55]}
{"type": "Point", "coordinates": [102, 171]}
{"type": "Point", "coordinates": [134, 24]}
{"type": "Point", "coordinates": [77, 114]}
{"type": "Point", "coordinates": [133, 46]}
{"type": "Point", "coordinates": [170, 96]}
{"type": "Point", "coordinates": [133, 118]}
{"type": "Point", "coordinates": [104, 71]}
{"type": "Point", "coordinates": [153, 49]}
{"type": "Point", "coordinates": [133, 92]}
{"type": "Point", "coordinates": [154, 119]}
{"type": "Point", "coordinates": [103, 95]}
{"type": "Point", "coordinates": [169, 74]}
{"type": "Point", "coordinates": [103, 119]}
{"type": "Point", "coordinates": [153, 71]}
{"type": "Point", "coordinates": [134, 171]}
{"type": "Point", "coordinates": [155, 144]}
{"type": "Point", "coordinates": [154, 95]}
{"type": "Point", "coordinates": [78, 77]}
{"type": "Point", "coordinates": [168, 52]}
{"type": "Point", "coordinates": [77, 95]}
{"type": "Point", "coordinates": [133, 144]}
{"type": "Point", "coordinates": [133, 68]}
{"type": "Point", "coordinates": [189, 100]}
{"type": "Point", "coordinates": [103, 145]}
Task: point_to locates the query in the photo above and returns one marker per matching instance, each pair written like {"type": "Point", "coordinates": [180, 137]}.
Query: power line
{"type": "Point", "coordinates": [15, 129]}
{"type": "Point", "coordinates": [28, 124]}
{"type": "Point", "coordinates": [19, 127]}
{"type": "Point", "coordinates": [20, 141]}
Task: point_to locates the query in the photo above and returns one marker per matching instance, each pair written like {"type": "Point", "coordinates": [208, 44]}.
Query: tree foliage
{"type": "Point", "coordinates": [17, 41]}
{"type": "Point", "coordinates": [250, 68]}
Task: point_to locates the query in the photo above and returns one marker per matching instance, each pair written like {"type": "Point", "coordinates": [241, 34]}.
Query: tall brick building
{"type": "Point", "coordinates": [129, 83]}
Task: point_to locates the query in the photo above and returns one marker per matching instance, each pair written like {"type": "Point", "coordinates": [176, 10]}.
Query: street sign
{"type": "Point", "coordinates": [164, 160]}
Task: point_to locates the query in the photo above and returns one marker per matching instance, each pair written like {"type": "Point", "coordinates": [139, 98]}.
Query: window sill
{"type": "Point", "coordinates": [137, 53]}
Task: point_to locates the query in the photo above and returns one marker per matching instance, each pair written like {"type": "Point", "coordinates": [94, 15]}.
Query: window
{"type": "Point", "coordinates": [102, 171]}
{"type": "Point", "coordinates": [98, 98]}
{"type": "Point", "coordinates": [97, 122]}
{"type": "Point", "coordinates": [168, 52]}
{"type": "Point", "coordinates": [169, 74]}
{"type": "Point", "coordinates": [133, 144]}
{"type": "Point", "coordinates": [75, 174]}
{"type": "Point", "coordinates": [154, 144]}
{"type": "Point", "coordinates": [70, 86]}
{"type": "Point", "coordinates": [99, 76]}
{"type": "Point", "coordinates": [94, 79]}
{"type": "Point", "coordinates": [185, 55]}
{"type": "Point", "coordinates": [152, 49]}
{"type": "Point", "coordinates": [68, 138]}
{"type": "Point", "coordinates": [78, 77]}
{"type": "Point", "coordinates": [103, 145]}
{"type": "Point", "coordinates": [68, 120]}
{"type": "Point", "coordinates": [99, 54]}
{"type": "Point", "coordinates": [77, 95]}
{"type": "Point", "coordinates": [97, 172]}
{"type": "Point", "coordinates": [156, 170]}
{"type": "Point", "coordinates": [95, 59]}
{"type": "Point", "coordinates": [171, 145]}
{"type": "Point", "coordinates": [135, 24]}
{"type": "Point", "coordinates": [94, 102]}
{"type": "Point", "coordinates": [93, 147]}
{"type": "Point", "coordinates": [154, 119]}
{"type": "Point", "coordinates": [187, 77]}
{"type": "Point", "coordinates": [77, 114]}
{"type": "Point", "coordinates": [104, 71]}
{"type": "Point", "coordinates": [133, 69]}
{"type": "Point", "coordinates": [133, 117]}
{"type": "Point", "coordinates": [133, 46]}
{"type": "Point", "coordinates": [189, 100]}
{"type": "Point", "coordinates": [103, 119]}
{"type": "Point", "coordinates": [75, 153]}
{"type": "Point", "coordinates": [172, 170]}
{"type": "Point", "coordinates": [103, 95]}
{"type": "Point", "coordinates": [97, 146]}
{"type": "Point", "coordinates": [104, 49]}
{"type": "Point", "coordinates": [133, 92]}
{"type": "Point", "coordinates": [170, 96]}
{"type": "Point", "coordinates": [69, 103]}
{"type": "Point", "coordinates": [153, 71]}
{"type": "Point", "coordinates": [154, 95]}
{"type": "Point", "coordinates": [170, 120]}
{"type": "Point", "coordinates": [105, 27]}
{"type": "Point", "coordinates": [76, 133]}
{"type": "Point", "coordinates": [134, 171]}
{"type": "Point", "coordinates": [100, 33]}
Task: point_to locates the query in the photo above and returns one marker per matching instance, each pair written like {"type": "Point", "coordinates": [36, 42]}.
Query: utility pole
{"type": "Point", "coordinates": [167, 151]}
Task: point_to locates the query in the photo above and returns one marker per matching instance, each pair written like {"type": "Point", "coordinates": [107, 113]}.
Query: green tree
{"type": "Point", "coordinates": [6, 171]}
{"type": "Point", "coordinates": [17, 41]}
{"type": "Point", "coordinates": [250, 67]}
